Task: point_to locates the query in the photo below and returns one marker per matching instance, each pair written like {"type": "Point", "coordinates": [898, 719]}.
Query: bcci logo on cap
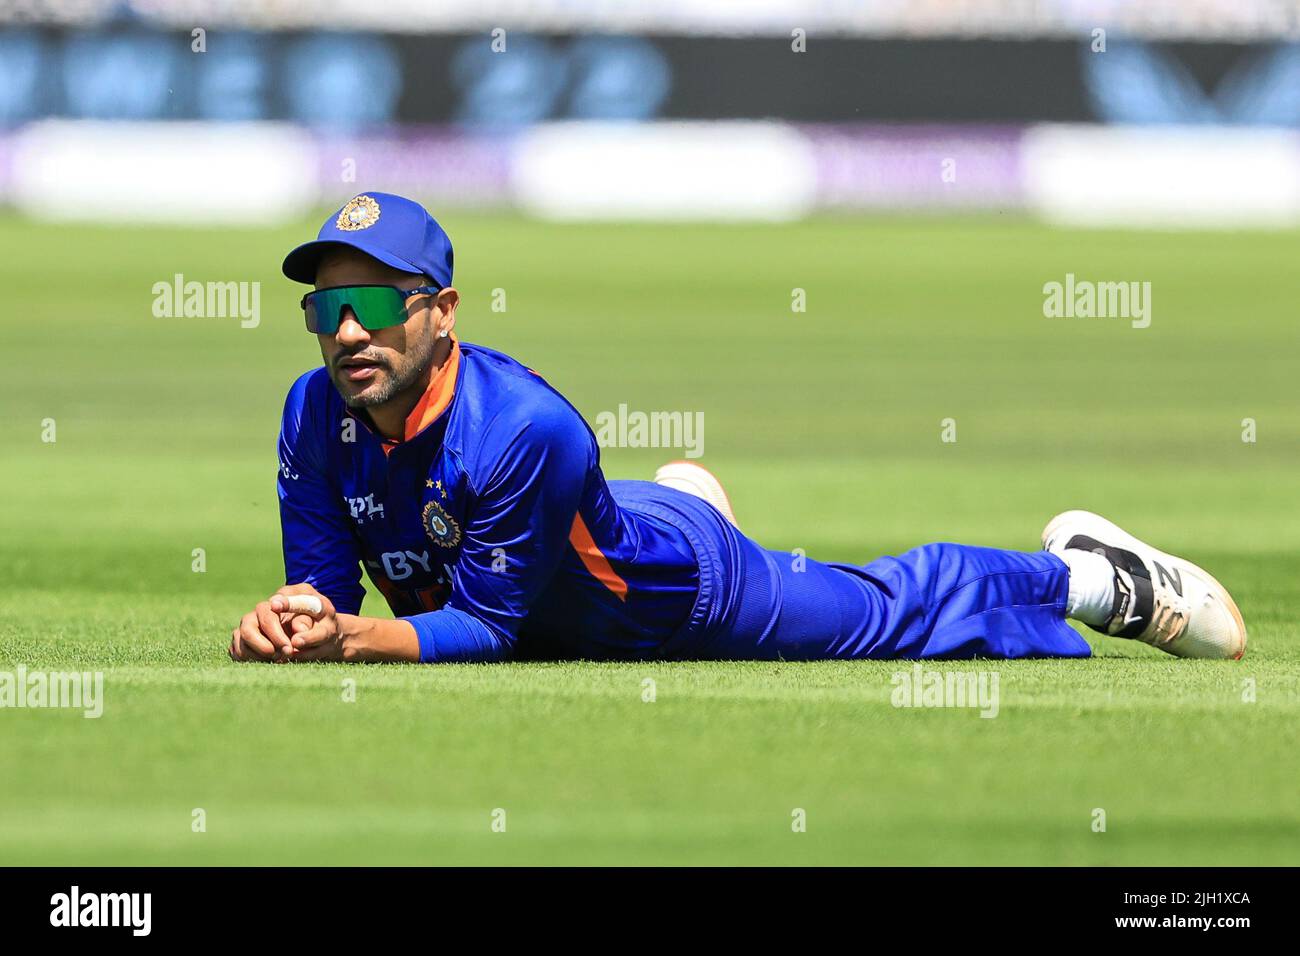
{"type": "Point", "coordinates": [360, 213]}
{"type": "Point", "coordinates": [442, 527]}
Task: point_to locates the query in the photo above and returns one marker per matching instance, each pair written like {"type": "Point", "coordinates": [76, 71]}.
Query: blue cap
{"type": "Point", "coordinates": [398, 232]}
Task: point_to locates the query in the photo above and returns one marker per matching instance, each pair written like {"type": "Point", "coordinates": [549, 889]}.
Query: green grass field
{"type": "Point", "coordinates": [826, 427]}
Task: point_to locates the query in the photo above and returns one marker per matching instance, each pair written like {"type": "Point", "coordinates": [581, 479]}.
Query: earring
{"type": "Point", "coordinates": [442, 334]}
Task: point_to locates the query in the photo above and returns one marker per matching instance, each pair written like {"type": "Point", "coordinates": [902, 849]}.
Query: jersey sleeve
{"type": "Point", "coordinates": [320, 548]}
{"type": "Point", "coordinates": [514, 540]}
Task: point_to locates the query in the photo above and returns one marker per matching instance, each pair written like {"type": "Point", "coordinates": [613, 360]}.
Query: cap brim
{"type": "Point", "coordinates": [300, 264]}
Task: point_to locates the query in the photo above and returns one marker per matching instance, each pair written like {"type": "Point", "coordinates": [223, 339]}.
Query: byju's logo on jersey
{"type": "Point", "coordinates": [440, 526]}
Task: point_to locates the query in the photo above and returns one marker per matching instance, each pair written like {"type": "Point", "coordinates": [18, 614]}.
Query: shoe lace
{"type": "Point", "coordinates": [1169, 621]}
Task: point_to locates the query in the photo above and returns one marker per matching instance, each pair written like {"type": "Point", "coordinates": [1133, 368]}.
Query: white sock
{"type": "Point", "coordinates": [1092, 586]}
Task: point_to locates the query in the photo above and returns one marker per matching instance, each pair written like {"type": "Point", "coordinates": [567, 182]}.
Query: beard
{"type": "Point", "coordinates": [391, 378]}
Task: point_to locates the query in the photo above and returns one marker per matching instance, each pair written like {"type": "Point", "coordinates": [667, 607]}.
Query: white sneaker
{"type": "Point", "coordinates": [1160, 599]}
{"type": "Point", "coordinates": [698, 481]}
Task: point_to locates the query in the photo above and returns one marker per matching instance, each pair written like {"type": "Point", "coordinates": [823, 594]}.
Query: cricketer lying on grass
{"type": "Point", "coordinates": [472, 493]}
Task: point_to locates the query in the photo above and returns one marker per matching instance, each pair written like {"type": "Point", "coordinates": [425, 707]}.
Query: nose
{"type": "Point", "coordinates": [351, 332]}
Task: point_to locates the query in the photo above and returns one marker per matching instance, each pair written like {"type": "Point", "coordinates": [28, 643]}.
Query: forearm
{"type": "Point", "coordinates": [454, 635]}
{"type": "Point", "coordinates": [377, 640]}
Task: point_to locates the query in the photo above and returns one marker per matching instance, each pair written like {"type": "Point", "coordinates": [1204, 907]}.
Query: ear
{"type": "Point", "coordinates": [446, 304]}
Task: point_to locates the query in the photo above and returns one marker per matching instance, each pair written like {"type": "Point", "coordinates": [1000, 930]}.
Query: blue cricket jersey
{"type": "Point", "coordinates": [489, 527]}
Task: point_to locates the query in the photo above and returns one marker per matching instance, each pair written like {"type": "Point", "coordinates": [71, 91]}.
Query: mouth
{"type": "Point", "coordinates": [358, 370]}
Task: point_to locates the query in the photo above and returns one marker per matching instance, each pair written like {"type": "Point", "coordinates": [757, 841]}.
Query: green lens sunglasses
{"type": "Point", "coordinates": [375, 306]}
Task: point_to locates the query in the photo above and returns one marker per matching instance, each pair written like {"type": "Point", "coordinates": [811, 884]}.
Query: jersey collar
{"type": "Point", "coordinates": [437, 396]}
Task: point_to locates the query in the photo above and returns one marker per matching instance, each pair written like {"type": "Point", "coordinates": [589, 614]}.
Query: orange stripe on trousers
{"type": "Point", "coordinates": [594, 559]}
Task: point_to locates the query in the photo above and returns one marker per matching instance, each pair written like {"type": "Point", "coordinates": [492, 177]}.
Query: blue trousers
{"type": "Point", "coordinates": [935, 601]}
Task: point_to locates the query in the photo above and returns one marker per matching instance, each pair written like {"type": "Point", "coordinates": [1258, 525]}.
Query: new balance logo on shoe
{"type": "Point", "coordinates": [1172, 579]}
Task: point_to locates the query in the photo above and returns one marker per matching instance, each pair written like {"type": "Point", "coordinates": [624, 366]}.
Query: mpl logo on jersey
{"type": "Point", "coordinates": [364, 507]}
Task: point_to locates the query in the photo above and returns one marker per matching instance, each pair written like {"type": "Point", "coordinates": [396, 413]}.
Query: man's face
{"type": "Point", "coordinates": [372, 368]}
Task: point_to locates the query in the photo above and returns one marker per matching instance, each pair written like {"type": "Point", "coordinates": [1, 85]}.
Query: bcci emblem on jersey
{"type": "Point", "coordinates": [441, 527]}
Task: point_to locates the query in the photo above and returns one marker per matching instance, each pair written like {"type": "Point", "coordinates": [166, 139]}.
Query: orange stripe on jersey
{"type": "Point", "coordinates": [436, 398]}
{"type": "Point", "coordinates": [594, 559]}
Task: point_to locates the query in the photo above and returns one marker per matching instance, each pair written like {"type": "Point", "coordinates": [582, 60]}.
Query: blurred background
{"type": "Point", "coordinates": [1177, 112]}
{"type": "Point", "coordinates": [836, 219]}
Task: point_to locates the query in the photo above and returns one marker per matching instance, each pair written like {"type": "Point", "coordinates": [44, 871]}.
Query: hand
{"type": "Point", "coordinates": [318, 632]}
{"type": "Point", "coordinates": [298, 623]}
{"type": "Point", "coordinates": [264, 634]}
